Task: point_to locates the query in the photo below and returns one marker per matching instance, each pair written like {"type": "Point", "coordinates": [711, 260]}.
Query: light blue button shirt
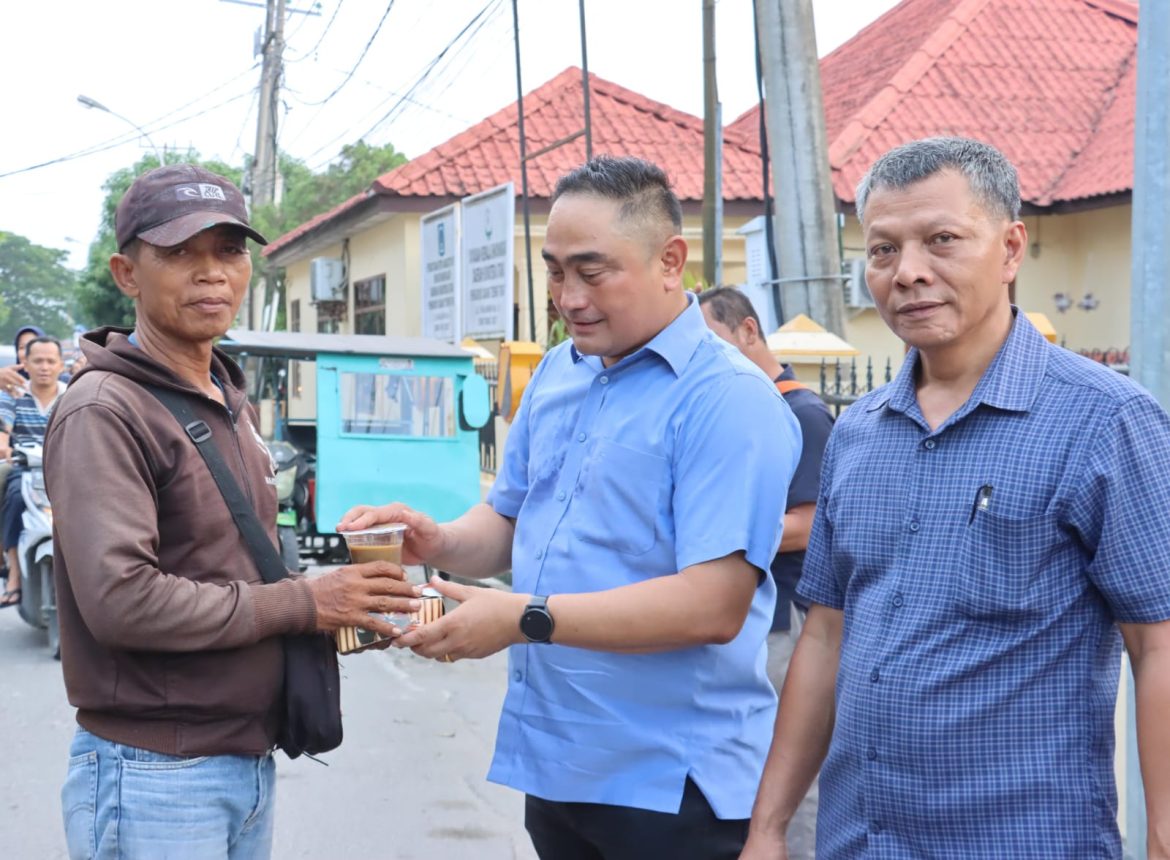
{"type": "Point", "coordinates": [679, 454]}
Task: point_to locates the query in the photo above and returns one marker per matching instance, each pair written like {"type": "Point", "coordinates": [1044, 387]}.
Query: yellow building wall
{"type": "Point", "coordinates": [390, 249]}
{"type": "Point", "coordinates": [1077, 253]}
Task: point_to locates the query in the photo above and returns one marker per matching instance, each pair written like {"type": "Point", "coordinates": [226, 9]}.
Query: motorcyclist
{"type": "Point", "coordinates": [30, 417]}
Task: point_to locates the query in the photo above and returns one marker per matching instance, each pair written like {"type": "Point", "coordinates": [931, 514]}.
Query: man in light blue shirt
{"type": "Point", "coordinates": [638, 507]}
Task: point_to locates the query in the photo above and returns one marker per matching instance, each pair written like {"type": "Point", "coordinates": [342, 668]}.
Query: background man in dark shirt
{"type": "Point", "coordinates": [730, 314]}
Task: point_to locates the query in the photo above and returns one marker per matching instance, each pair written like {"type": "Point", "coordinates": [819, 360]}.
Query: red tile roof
{"type": "Point", "coordinates": [488, 153]}
{"type": "Point", "coordinates": [1050, 82]}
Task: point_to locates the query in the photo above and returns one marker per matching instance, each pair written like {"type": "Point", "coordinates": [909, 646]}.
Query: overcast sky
{"type": "Point", "coordinates": [184, 71]}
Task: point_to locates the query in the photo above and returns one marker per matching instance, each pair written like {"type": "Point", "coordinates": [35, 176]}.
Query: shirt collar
{"type": "Point", "coordinates": [676, 343]}
{"type": "Point", "coordinates": [1011, 382]}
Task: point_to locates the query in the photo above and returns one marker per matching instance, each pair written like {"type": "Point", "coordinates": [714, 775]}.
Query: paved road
{"type": "Point", "coordinates": [408, 783]}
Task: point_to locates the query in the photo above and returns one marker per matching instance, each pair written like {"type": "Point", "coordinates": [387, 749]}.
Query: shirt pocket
{"type": "Point", "coordinates": [618, 497]}
{"type": "Point", "coordinates": [1001, 566]}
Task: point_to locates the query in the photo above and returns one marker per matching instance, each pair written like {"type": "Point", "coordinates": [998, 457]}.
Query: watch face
{"type": "Point", "coordinates": [536, 624]}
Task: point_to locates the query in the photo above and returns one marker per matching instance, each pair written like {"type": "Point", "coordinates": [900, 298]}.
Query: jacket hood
{"type": "Point", "coordinates": [110, 349]}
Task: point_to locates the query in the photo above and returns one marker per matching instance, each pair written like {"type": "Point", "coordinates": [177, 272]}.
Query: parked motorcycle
{"type": "Point", "coordinates": [296, 528]}
{"type": "Point", "coordinates": [38, 595]}
{"type": "Point", "coordinates": [291, 499]}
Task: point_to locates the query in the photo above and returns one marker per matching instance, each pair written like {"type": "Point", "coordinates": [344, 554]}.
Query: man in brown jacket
{"type": "Point", "coordinates": [170, 640]}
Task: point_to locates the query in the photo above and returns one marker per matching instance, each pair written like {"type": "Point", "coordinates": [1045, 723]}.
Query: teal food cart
{"type": "Point", "coordinates": [397, 419]}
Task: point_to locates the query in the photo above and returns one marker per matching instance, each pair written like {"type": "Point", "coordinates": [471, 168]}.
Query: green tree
{"type": "Point", "coordinates": [35, 287]}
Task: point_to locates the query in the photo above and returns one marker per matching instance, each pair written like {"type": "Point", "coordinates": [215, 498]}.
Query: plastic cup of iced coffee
{"type": "Point", "coordinates": [380, 543]}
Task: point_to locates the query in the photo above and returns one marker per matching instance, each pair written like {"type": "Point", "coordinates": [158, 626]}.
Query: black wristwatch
{"type": "Point", "coordinates": [536, 623]}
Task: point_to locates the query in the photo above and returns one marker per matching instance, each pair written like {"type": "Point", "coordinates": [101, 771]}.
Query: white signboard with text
{"type": "Point", "coordinates": [440, 274]}
{"type": "Point", "coordinates": [487, 228]}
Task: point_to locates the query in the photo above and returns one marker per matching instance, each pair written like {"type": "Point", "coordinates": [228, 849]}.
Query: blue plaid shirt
{"type": "Point", "coordinates": [981, 568]}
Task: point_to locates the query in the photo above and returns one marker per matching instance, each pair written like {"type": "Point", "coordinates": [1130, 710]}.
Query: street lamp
{"type": "Point", "coordinates": [86, 101]}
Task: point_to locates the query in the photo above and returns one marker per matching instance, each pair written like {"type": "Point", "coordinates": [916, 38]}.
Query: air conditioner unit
{"type": "Point", "coordinates": [856, 290]}
{"type": "Point", "coordinates": [326, 279]}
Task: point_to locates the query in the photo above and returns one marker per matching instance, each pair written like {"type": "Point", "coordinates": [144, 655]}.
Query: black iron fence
{"type": "Point", "coordinates": [842, 382]}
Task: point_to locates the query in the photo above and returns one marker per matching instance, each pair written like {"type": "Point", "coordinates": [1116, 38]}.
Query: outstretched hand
{"type": "Point", "coordinates": [11, 382]}
{"type": "Point", "coordinates": [487, 620]}
{"type": "Point", "coordinates": [424, 538]}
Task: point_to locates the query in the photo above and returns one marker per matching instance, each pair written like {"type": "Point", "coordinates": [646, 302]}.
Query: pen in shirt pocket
{"type": "Point", "coordinates": [982, 501]}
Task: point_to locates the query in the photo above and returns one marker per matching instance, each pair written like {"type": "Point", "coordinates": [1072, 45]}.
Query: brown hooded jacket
{"type": "Point", "coordinates": [169, 638]}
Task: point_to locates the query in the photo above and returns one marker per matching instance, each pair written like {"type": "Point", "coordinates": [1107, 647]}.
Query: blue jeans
{"type": "Point", "coordinates": [123, 802]}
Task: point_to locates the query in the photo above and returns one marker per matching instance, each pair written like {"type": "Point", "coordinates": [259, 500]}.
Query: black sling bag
{"type": "Point", "coordinates": [311, 722]}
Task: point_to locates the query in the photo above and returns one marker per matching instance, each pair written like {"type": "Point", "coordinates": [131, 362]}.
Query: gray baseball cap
{"type": "Point", "coordinates": [168, 205]}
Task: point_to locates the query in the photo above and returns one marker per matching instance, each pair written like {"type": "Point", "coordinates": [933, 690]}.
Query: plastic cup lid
{"type": "Point", "coordinates": [388, 529]}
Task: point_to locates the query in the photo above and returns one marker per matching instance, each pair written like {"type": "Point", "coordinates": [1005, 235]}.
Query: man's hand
{"type": "Point", "coordinates": [10, 379]}
{"type": "Point", "coordinates": [424, 538]}
{"type": "Point", "coordinates": [762, 848]}
{"type": "Point", "coordinates": [486, 621]}
{"type": "Point", "coordinates": [346, 596]}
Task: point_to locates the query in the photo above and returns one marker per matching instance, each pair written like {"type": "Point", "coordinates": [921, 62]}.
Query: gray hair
{"type": "Point", "coordinates": [991, 176]}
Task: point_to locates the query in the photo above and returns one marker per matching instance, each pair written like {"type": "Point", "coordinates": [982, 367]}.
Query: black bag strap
{"type": "Point", "coordinates": [272, 568]}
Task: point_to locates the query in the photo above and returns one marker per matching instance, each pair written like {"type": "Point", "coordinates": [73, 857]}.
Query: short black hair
{"type": "Point", "coordinates": [642, 188]}
{"type": "Point", "coordinates": [991, 177]}
{"type": "Point", "coordinates": [730, 307]}
{"type": "Point", "coordinates": [43, 339]}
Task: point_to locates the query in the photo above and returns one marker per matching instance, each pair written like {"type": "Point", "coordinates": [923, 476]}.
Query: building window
{"type": "Point", "coordinates": [369, 306]}
{"type": "Point", "coordinates": [380, 404]}
{"type": "Point", "coordinates": [330, 316]}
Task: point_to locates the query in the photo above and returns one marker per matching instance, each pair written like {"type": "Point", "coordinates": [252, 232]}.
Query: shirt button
{"type": "Point", "coordinates": [605, 380]}
{"type": "Point", "coordinates": [897, 601]}
{"type": "Point", "coordinates": [580, 437]}
{"type": "Point", "coordinates": [874, 675]}
{"type": "Point", "coordinates": [540, 554]}
{"type": "Point", "coordinates": [928, 444]}
{"type": "Point", "coordinates": [874, 827]}
{"type": "Point", "coordinates": [913, 525]}
{"type": "Point", "coordinates": [871, 754]}
{"type": "Point", "coordinates": [561, 496]}
{"type": "Point", "coordinates": [518, 676]}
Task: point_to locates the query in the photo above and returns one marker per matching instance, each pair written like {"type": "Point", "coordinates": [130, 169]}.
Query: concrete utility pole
{"type": "Point", "coordinates": [712, 157]}
{"type": "Point", "coordinates": [1150, 295]}
{"type": "Point", "coordinates": [264, 164]}
{"type": "Point", "coordinates": [806, 244]}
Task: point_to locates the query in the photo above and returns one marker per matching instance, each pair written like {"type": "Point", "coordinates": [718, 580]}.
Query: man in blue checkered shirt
{"type": "Point", "coordinates": [992, 526]}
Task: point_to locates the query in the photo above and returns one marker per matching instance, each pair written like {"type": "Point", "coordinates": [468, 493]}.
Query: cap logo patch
{"type": "Point", "coordinates": [199, 191]}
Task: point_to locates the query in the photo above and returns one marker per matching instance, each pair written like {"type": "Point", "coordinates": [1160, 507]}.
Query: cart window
{"type": "Point", "coordinates": [391, 405]}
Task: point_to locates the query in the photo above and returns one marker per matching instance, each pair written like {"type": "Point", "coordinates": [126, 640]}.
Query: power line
{"type": "Point", "coordinates": [113, 144]}
{"type": "Point", "coordinates": [480, 19]}
{"type": "Point", "coordinates": [126, 137]}
{"type": "Point", "coordinates": [239, 147]}
{"type": "Point", "coordinates": [320, 38]}
{"type": "Point", "coordinates": [365, 51]}
{"type": "Point", "coordinates": [479, 24]}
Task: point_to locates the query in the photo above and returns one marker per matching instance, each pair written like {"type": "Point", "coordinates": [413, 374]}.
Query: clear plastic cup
{"type": "Point", "coordinates": [380, 543]}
